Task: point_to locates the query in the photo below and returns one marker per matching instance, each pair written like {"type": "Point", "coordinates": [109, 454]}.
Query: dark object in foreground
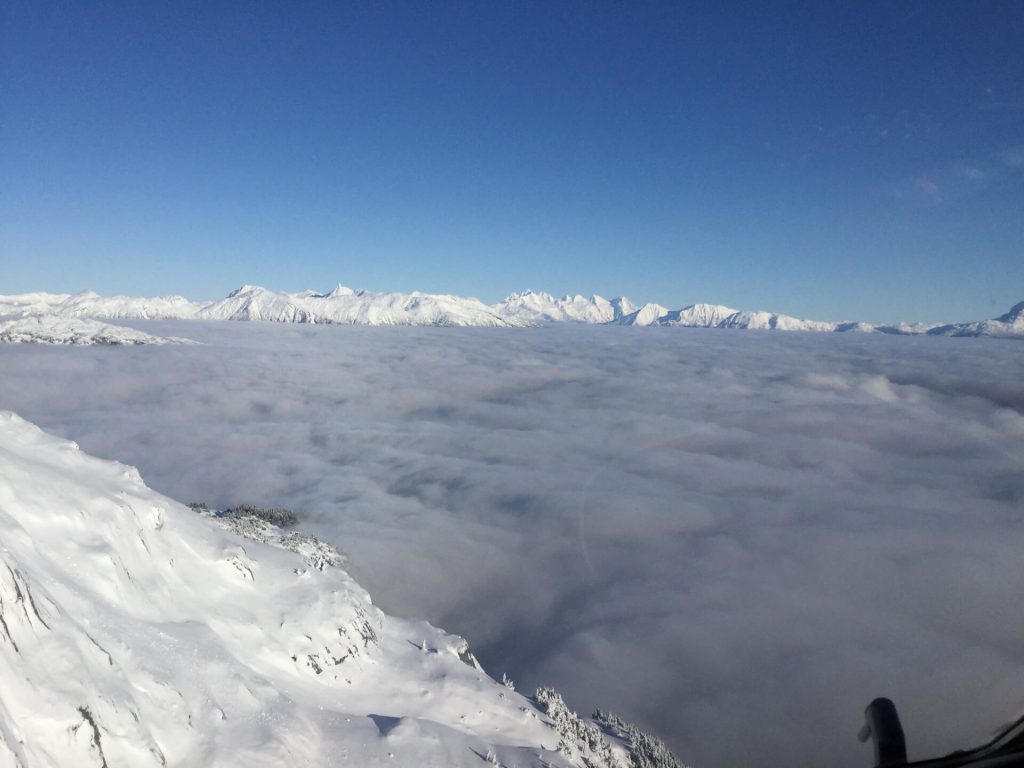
{"type": "Point", "coordinates": [882, 726]}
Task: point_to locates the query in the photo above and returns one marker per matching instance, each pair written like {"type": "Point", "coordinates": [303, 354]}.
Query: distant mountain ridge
{"type": "Point", "coordinates": [543, 307]}
{"type": "Point", "coordinates": [1005, 326]}
{"type": "Point", "coordinates": [348, 306]}
{"type": "Point", "coordinates": [342, 305]}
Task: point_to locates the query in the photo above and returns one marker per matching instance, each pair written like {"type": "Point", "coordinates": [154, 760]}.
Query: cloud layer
{"type": "Point", "coordinates": [737, 540]}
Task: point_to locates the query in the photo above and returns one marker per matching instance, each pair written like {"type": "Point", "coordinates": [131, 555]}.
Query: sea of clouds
{"type": "Point", "coordinates": [736, 539]}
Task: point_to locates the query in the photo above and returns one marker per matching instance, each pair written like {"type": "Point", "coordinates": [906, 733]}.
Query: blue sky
{"type": "Point", "coordinates": [834, 161]}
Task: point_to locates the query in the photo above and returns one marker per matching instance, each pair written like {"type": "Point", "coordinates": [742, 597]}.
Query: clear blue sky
{"type": "Point", "coordinates": [835, 161]}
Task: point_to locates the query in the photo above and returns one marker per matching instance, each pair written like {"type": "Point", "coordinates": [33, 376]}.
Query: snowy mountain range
{"type": "Point", "coordinates": [135, 631]}
{"type": "Point", "coordinates": [341, 305]}
{"type": "Point", "coordinates": [344, 305]}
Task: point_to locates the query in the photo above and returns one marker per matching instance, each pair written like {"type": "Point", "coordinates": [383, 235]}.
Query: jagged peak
{"type": "Point", "coordinates": [704, 306]}
{"type": "Point", "coordinates": [340, 290]}
{"type": "Point", "coordinates": [529, 294]}
{"type": "Point", "coordinates": [246, 290]}
{"type": "Point", "coordinates": [1015, 314]}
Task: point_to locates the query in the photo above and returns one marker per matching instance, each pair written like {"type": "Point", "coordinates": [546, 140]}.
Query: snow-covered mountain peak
{"type": "Point", "coordinates": [648, 314]}
{"type": "Point", "coordinates": [540, 307]}
{"type": "Point", "coordinates": [247, 290]}
{"type": "Point", "coordinates": [1008, 325]}
{"type": "Point", "coordinates": [707, 313]}
{"type": "Point", "coordinates": [1015, 316]}
{"type": "Point", "coordinates": [343, 305]}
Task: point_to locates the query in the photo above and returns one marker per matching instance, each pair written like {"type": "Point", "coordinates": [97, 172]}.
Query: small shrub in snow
{"type": "Point", "coordinates": [198, 507]}
{"type": "Point", "coordinates": [282, 518]}
{"type": "Point", "coordinates": [584, 738]}
{"type": "Point", "coordinates": [576, 735]}
{"type": "Point", "coordinates": [646, 751]}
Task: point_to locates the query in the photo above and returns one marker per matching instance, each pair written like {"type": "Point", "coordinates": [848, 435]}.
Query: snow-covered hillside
{"type": "Point", "coordinates": [539, 307]}
{"type": "Point", "coordinates": [719, 316]}
{"type": "Point", "coordinates": [542, 307]}
{"type": "Point", "coordinates": [136, 632]}
{"type": "Point", "coordinates": [90, 304]}
{"type": "Point", "coordinates": [350, 307]}
{"type": "Point", "coordinates": [1010, 325]}
{"type": "Point", "coordinates": [341, 305]}
{"type": "Point", "coordinates": [54, 329]}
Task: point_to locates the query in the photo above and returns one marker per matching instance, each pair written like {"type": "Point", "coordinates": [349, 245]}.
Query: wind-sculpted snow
{"type": "Point", "coordinates": [735, 540]}
{"type": "Point", "coordinates": [53, 329]}
{"type": "Point", "coordinates": [135, 632]}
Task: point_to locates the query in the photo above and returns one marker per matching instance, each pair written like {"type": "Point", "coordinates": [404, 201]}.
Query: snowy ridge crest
{"type": "Point", "coordinates": [543, 308]}
{"type": "Point", "coordinates": [1009, 325]}
{"type": "Point", "coordinates": [539, 307]}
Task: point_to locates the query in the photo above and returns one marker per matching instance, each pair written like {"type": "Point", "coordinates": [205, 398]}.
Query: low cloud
{"type": "Point", "coordinates": [736, 539]}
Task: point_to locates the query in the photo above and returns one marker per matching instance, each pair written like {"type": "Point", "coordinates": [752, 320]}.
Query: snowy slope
{"type": "Point", "coordinates": [341, 305]}
{"type": "Point", "coordinates": [1010, 325]}
{"type": "Point", "coordinates": [543, 307]}
{"type": "Point", "coordinates": [344, 305]}
{"type": "Point", "coordinates": [720, 316]}
{"type": "Point", "coordinates": [90, 304]}
{"type": "Point", "coordinates": [540, 307]}
{"type": "Point", "coordinates": [54, 329]}
{"type": "Point", "coordinates": [648, 314]}
{"type": "Point", "coordinates": [135, 632]}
